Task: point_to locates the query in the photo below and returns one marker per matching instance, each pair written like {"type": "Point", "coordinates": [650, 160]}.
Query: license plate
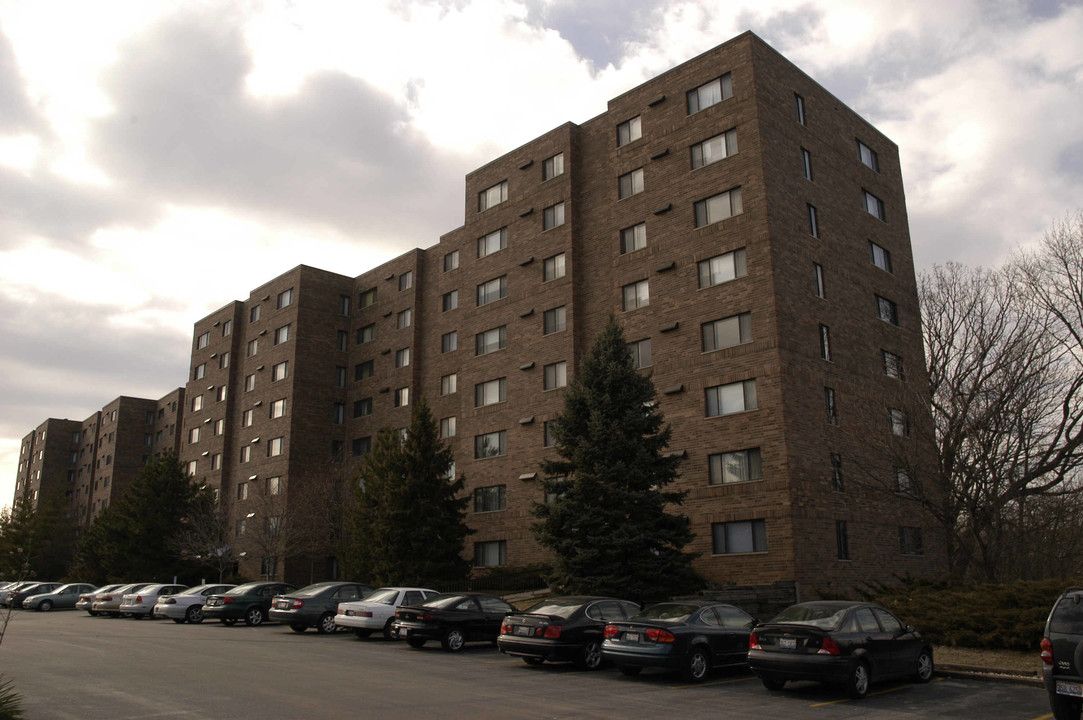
{"type": "Point", "coordinates": [1065, 687]}
{"type": "Point", "coordinates": [787, 643]}
{"type": "Point", "coordinates": [523, 630]}
{"type": "Point", "coordinates": [281, 605]}
{"type": "Point", "coordinates": [631, 637]}
{"type": "Point", "coordinates": [403, 632]}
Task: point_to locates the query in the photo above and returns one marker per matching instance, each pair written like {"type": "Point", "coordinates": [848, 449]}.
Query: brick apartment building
{"type": "Point", "coordinates": [747, 229]}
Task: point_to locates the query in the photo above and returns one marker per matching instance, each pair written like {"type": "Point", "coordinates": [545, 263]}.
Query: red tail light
{"type": "Point", "coordinates": [828, 647]}
{"type": "Point", "coordinates": [107, 598]}
{"type": "Point", "coordinates": [1047, 651]}
{"type": "Point", "coordinates": [753, 642]}
{"type": "Point", "coordinates": [297, 604]}
{"type": "Point", "coordinates": [505, 628]}
{"type": "Point", "coordinates": [552, 632]}
{"type": "Point", "coordinates": [425, 616]}
{"type": "Point", "coordinates": [227, 600]}
{"type": "Point", "coordinates": [139, 598]}
{"type": "Point", "coordinates": [611, 631]}
{"type": "Point", "coordinates": [662, 636]}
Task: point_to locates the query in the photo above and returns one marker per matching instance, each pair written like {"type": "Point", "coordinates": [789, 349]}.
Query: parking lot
{"type": "Point", "coordinates": [71, 665]}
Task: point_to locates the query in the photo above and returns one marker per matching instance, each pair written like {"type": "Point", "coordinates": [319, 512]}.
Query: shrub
{"type": "Point", "coordinates": [10, 702]}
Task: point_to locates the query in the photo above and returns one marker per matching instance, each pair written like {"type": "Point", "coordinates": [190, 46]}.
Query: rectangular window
{"type": "Point", "coordinates": [285, 298]}
{"type": "Point", "coordinates": [723, 268]}
{"type": "Point", "coordinates": [276, 447]}
{"type": "Point", "coordinates": [402, 397]}
{"type": "Point", "coordinates": [489, 445]}
{"type": "Point", "coordinates": [868, 156]}
{"type": "Point", "coordinates": [227, 328]}
{"type": "Point", "coordinates": [193, 435]}
{"type": "Point", "coordinates": [556, 375]}
{"type": "Point", "coordinates": [447, 427]}
{"type": "Point", "coordinates": [490, 340]}
{"type": "Point", "coordinates": [886, 310]}
{"type": "Point", "coordinates": [223, 361]}
{"type": "Point", "coordinates": [630, 184]}
{"type": "Point", "coordinates": [893, 365]}
{"type": "Point", "coordinates": [366, 334]}
{"type": "Point", "coordinates": [490, 499]}
{"type": "Point", "coordinates": [491, 554]}
{"type": "Point", "coordinates": [404, 318]}
{"type": "Point", "coordinates": [910, 541]}
{"type": "Point", "coordinates": [818, 279]}
{"type": "Point", "coordinates": [367, 298]}
{"type": "Point", "coordinates": [633, 238]}
{"type": "Point", "coordinates": [799, 102]}
{"type": "Point", "coordinates": [250, 382]}
{"type": "Point", "coordinates": [406, 280]}
{"type": "Point", "coordinates": [493, 196]}
{"type": "Point", "coordinates": [274, 485]}
{"type": "Point", "coordinates": [727, 332]}
{"type": "Point", "coordinates": [873, 205]}
{"type": "Point", "coordinates": [495, 241]}
{"type": "Point", "coordinates": [710, 93]}
{"type": "Point", "coordinates": [825, 343]}
{"type": "Point", "coordinates": [449, 301]}
{"type": "Point", "coordinates": [492, 290]}
{"type": "Point", "coordinates": [242, 491]}
{"type": "Point", "coordinates": [635, 295]}
{"type": "Point", "coordinates": [718, 207]}
{"type": "Point", "coordinates": [200, 372]}
{"type": "Point", "coordinates": [880, 257]}
{"type": "Point", "coordinates": [548, 438]}
{"type": "Point", "coordinates": [282, 334]}
{"type": "Point", "coordinates": [449, 342]}
{"type": "Point", "coordinates": [553, 216]}
{"type": "Point", "coordinates": [554, 320]}
{"type": "Point", "coordinates": [836, 473]}
{"type": "Point", "coordinates": [363, 370]}
{"type": "Point", "coordinates": [813, 222]}
{"type": "Point", "coordinates": [904, 485]}
{"type": "Point", "coordinates": [340, 376]}
{"type": "Point", "coordinates": [216, 461]}
{"type": "Point", "coordinates": [253, 314]}
{"type": "Point", "coordinates": [361, 446]}
{"type": "Point", "coordinates": [714, 149]}
{"type": "Point", "coordinates": [203, 340]}
{"type": "Point", "coordinates": [343, 341]}
{"type": "Point", "coordinates": [451, 261]}
{"type": "Point", "coordinates": [830, 406]}
{"type": "Point", "coordinates": [900, 425]}
{"type": "Point", "coordinates": [362, 407]}
{"type": "Point", "coordinates": [246, 453]}
{"type": "Point", "coordinates": [279, 371]}
{"type": "Point", "coordinates": [745, 536]}
{"type": "Point", "coordinates": [734, 467]}
{"type": "Point", "coordinates": [402, 357]}
{"type": "Point", "coordinates": [842, 540]}
{"type": "Point", "coordinates": [278, 408]}
{"type": "Point", "coordinates": [731, 398]}
{"type": "Point", "coordinates": [344, 305]}
{"type": "Point", "coordinates": [449, 384]}
{"type": "Point", "coordinates": [629, 131]}
{"type": "Point", "coordinates": [553, 268]}
{"type": "Point", "coordinates": [219, 427]}
{"type": "Point", "coordinates": [247, 418]}
{"type": "Point", "coordinates": [253, 347]}
{"type": "Point", "coordinates": [806, 164]}
{"type": "Point", "coordinates": [197, 403]}
{"type": "Point", "coordinates": [221, 393]}
{"type": "Point", "coordinates": [641, 353]}
{"type": "Point", "coordinates": [553, 166]}
{"type": "Point", "coordinates": [490, 392]}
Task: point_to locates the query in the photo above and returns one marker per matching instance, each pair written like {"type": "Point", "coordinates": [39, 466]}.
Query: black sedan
{"type": "Point", "coordinates": [565, 629]}
{"type": "Point", "coordinates": [692, 636]}
{"type": "Point", "coordinates": [249, 602]}
{"type": "Point", "coordinates": [454, 619]}
{"type": "Point", "coordinates": [315, 605]}
{"type": "Point", "coordinates": [848, 643]}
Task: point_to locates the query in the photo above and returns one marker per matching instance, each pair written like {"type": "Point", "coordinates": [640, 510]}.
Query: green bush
{"type": "Point", "coordinates": [987, 617]}
{"type": "Point", "coordinates": [10, 702]}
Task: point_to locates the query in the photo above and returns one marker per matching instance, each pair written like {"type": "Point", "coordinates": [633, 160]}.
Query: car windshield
{"type": "Point", "coordinates": [310, 590]}
{"type": "Point", "coordinates": [822, 616]}
{"type": "Point", "coordinates": [667, 612]}
{"type": "Point", "coordinates": [383, 596]}
{"type": "Point", "coordinates": [444, 601]}
{"type": "Point", "coordinates": [560, 607]}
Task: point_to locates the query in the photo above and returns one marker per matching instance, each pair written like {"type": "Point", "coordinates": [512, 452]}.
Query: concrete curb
{"type": "Point", "coordinates": [972, 672]}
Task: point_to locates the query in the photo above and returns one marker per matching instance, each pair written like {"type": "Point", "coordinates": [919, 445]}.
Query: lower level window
{"type": "Point", "coordinates": [490, 499]}
{"type": "Point", "coordinates": [490, 554]}
{"type": "Point", "coordinates": [734, 467]}
{"type": "Point", "coordinates": [745, 536]}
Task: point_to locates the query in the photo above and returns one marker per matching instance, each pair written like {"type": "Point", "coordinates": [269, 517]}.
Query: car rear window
{"type": "Point", "coordinates": [559, 608]}
{"type": "Point", "coordinates": [1067, 617]}
{"type": "Point", "coordinates": [823, 616]}
{"type": "Point", "coordinates": [667, 611]}
{"type": "Point", "coordinates": [384, 596]}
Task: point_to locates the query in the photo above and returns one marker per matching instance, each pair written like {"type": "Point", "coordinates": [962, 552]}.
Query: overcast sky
{"type": "Point", "coordinates": [145, 144]}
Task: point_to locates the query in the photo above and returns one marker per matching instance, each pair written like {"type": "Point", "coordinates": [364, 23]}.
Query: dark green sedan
{"type": "Point", "coordinates": [250, 602]}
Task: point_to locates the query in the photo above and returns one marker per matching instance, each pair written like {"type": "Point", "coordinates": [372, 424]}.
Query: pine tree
{"type": "Point", "coordinates": [408, 524]}
{"type": "Point", "coordinates": [606, 520]}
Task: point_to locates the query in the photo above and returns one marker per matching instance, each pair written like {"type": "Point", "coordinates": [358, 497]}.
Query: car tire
{"type": "Point", "coordinates": [253, 616]}
{"type": "Point", "coordinates": [453, 640]}
{"type": "Point", "coordinates": [533, 661]}
{"type": "Point", "coordinates": [179, 621]}
{"type": "Point", "coordinates": [229, 622]}
{"type": "Point", "coordinates": [362, 632]}
{"type": "Point", "coordinates": [590, 657]}
{"type": "Point", "coordinates": [773, 684]}
{"type": "Point", "coordinates": [924, 672]}
{"type": "Point", "coordinates": [1064, 707]}
{"type": "Point", "coordinates": [45, 605]}
{"type": "Point", "coordinates": [630, 670]}
{"type": "Point", "coordinates": [326, 624]}
{"type": "Point", "coordinates": [857, 684]}
{"type": "Point", "coordinates": [388, 635]}
{"type": "Point", "coordinates": [298, 627]}
{"type": "Point", "coordinates": [696, 665]}
{"type": "Point", "coordinates": [194, 614]}
{"type": "Point", "coordinates": [415, 642]}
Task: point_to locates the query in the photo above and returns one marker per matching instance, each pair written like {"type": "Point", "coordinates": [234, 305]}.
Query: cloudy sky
{"type": "Point", "coordinates": [160, 159]}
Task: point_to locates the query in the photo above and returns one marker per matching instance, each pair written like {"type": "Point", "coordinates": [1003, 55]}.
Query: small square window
{"type": "Point", "coordinates": [449, 301]}
{"type": "Point", "coordinates": [554, 320]}
{"type": "Point", "coordinates": [490, 392]}
{"type": "Point", "coordinates": [641, 353]}
{"type": "Point", "coordinates": [873, 205]}
{"type": "Point", "coordinates": [278, 408]}
{"type": "Point", "coordinates": [553, 216]}
{"type": "Point", "coordinates": [629, 131]}
{"type": "Point", "coordinates": [404, 318]}
{"type": "Point", "coordinates": [630, 183]}
{"type": "Point", "coordinates": [253, 314]}
{"type": "Point", "coordinates": [367, 298]}
{"type": "Point", "coordinates": [491, 340]}
{"type": "Point", "coordinates": [285, 298]}
{"type": "Point", "coordinates": [451, 261]}
{"type": "Point", "coordinates": [282, 334]}
{"type": "Point", "coordinates": [279, 371]}
{"type": "Point", "coordinates": [633, 238]}
{"type": "Point", "coordinates": [553, 268]}
{"type": "Point", "coordinates": [490, 499]}
{"type": "Point", "coordinates": [893, 365]}
{"type": "Point", "coordinates": [449, 342]}
{"type": "Point", "coordinates": [492, 290]}
{"type": "Point", "coordinates": [635, 295]}
{"type": "Point", "coordinates": [900, 424]}
{"type": "Point", "coordinates": [366, 334]}
{"type": "Point", "coordinates": [406, 280]}
{"type": "Point", "coordinates": [494, 242]}
{"type": "Point", "coordinates": [447, 427]}
{"type": "Point", "coordinates": [362, 407]}
{"type": "Point", "coordinates": [880, 257]}
{"type": "Point", "coordinates": [402, 357]}
{"type": "Point", "coordinates": [868, 156]}
{"type": "Point", "coordinates": [203, 340]}
{"type": "Point", "coordinates": [449, 384]}
{"type": "Point", "coordinates": [556, 375]}
{"type": "Point", "coordinates": [553, 167]}
{"type": "Point", "coordinates": [886, 310]}
{"type": "Point", "coordinates": [402, 397]}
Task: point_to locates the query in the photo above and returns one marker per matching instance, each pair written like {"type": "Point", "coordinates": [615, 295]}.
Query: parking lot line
{"type": "Point", "coordinates": [708, 684]}
{"type": "Point", "coordinates": [872, 694]}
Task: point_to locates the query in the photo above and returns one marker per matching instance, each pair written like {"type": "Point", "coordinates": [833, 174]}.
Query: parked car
{"type": "Point", "coordinates": [86, 600]}
{"type": "Point", "coordinates": [454, 619]}
{"type": "Point", "coordinates": [377, 610]}
{"type": "Point", "coordinates": [140, 603]}
{"type": "Point", "coordinates": [567, 629]}
{"type": "Point", "coordinates": [64, 597]}
{"type": "Point", "coordinates": [108, 603]}
{"type": "Point", "coordinates": [187, 605]}
{"type": "Point", "coordinates": [315, 605]}
{"type": "Point", "coordinates": [249, 602]}
{"type": "Point", "coordinates": [1062, 655]}
{"type": "Point", "coordinates": [13, 587]}
{"type": "Point", "coordinates": [692, 636]}
{"type": "Point", "coordinates": [15, 597]}
{"type": "Point", "coordinates": [849, 643]}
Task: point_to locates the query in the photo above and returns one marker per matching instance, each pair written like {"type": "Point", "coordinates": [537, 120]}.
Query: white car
{"type": "Point", "coordinates": [140, 604]}
{"type": "Point", "coordinates": [377, 610]}
{"type": "Point", "coordinates": [187, 606]}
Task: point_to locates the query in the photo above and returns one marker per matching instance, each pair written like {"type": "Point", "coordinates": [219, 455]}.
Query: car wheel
{"type": "Point", "coordinates": [326, 625]}
{"type": "Point", "coordinates": [696, 665]}
{"type": "Point", "coordinates": [194, 614]}
{"type": "Point", "coordinates": [773, 684]}
{"type": "Point", "coordinates": [1064, 707]}
{"type": "Point", "coordinates": [179, 621]}
{"type": "Point", "coordinates": [229, 622]}
{"type": "Point", "coordinates": [533, 660]}
{"type": "Point", "coordinates": [630, 670]}
{"type": "Point", "coordinates": [453, 641]}
{"type": "Point", "coordinates": [925, 669]}
{"type": "Point", "coordinates": [45, 605]}
{"type": "Point", "coordinates": [298, 627]}
{"type": "Point", "coordinates": [857, 685]}
{"type": "Point", "coordinates": [253, 616]}
{"type": "Point", "coordinates": [388, 635]}
{"type": "Point", "coordinates": [415, 642]}
{"type": "Point", "coordinates": [363, 632]}
{"type": "Point", "coordinates": [590, 658]}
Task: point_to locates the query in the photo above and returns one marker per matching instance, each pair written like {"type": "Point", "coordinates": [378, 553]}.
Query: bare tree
{"type": "Point", "coordinates": [206, 534]}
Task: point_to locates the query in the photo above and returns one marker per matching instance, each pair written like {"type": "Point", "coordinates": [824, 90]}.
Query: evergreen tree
{"type": "Point", "coordinates": [408, 524]}
{"type": "Point", "coordinates": [606, 520]}
{"type": "Point", "coordinates": [37, 542]}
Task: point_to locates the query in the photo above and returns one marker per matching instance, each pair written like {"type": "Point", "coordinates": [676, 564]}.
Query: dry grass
{"type": "Point", "coordinates": [990, 659]}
